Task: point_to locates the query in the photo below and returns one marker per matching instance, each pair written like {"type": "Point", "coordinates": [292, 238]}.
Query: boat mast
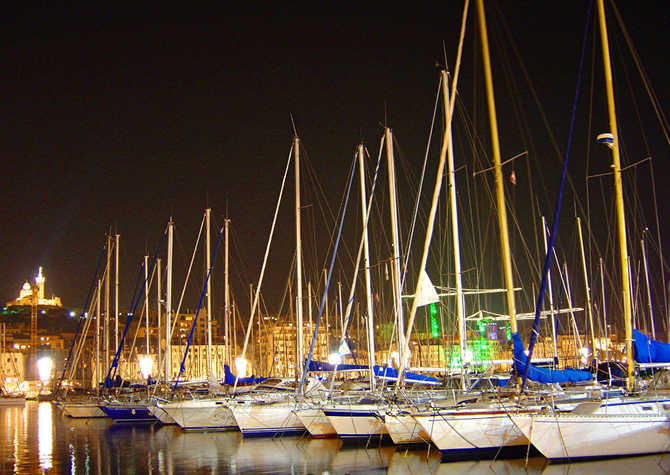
{"type": "Point", "coordinates": [146, 301]}
{"type": "Point", "coordinates": [159, 329]}
{"type": "Point", "coordinates": [107, 302]}
{"type": "Point", "coordinates": [168, 305]}
{"type": "Point", "coordinates": [500, 191]}
{"type": "Point", "coordinates": [366, 266]}
{"type": "Point", "coordinates": [208, 213]}
{"type": "Point", "coordinates": [589, 309]}
{"type": "Point", "coordinates": [397, 298]}
{"type": "Point", "coordinates": [446, 149]}
{"type": "Point", "coordinates": [618, 188]}
{"type": "Point", "coordinates": [226, 304]}
{"type": "Point", "coordinates": [646, 276]}
{"type": "Point", "coordinates": [298, 261]}
{"type": "Point", "coordinates": [545, 230]}
{"type": "Point", "coordinates": [116, 292]}
{"type": "Point", "coordinates": [97, 336]}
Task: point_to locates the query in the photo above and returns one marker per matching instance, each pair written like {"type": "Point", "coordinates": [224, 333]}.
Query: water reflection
{"type": "Point", "coordinates": [45, 435]}
{"type": "Point", "coordinates": [38, 439]}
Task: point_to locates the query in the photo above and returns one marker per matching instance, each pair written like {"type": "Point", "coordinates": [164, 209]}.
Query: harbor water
{"type": "Point", "coordinates": [38, 439]}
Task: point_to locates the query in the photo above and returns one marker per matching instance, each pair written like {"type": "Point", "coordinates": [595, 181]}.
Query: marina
{"type": "Point", "coordinates": [414, 329]}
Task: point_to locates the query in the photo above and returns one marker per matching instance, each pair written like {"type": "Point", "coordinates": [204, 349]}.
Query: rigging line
{"type": "Point", "coordinates": [360, 250]}
{"type": "Point", "coordinates": [197, 313]}
{"type": "Point", "coordinates": [265, 259]}
{"type": "Point", "coordinates": [636, 164]}
{"type": "Point", "coordinates": [660, 246]}
{"type": "Point", "coordinates": [188, 274]}
{"type": "Point", "coordinates": [88, 299]}
{"type": "Point", "coordinates": [557, 211]}
{"type": "Point", "coordinates": [502, 164]}
{"type": "Point", "coordinates": [325, 291]}
{"type": "Point", "coordinates": [115, 363]}
{"type": "Point", "coordinates": [643, 74]}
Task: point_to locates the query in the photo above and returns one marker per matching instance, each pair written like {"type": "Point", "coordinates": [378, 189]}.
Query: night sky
{"type": "Point", "coordinates": [122, 115]}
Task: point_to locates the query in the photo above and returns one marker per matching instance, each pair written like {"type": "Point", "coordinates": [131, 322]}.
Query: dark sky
{"type": "Point", "coordinates": [122, 114]}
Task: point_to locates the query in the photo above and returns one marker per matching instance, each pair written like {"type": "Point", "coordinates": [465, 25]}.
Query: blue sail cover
{"type": "Point", "coordinates": [391, 374]}
{"type": "Point", "coordinates": [647, 350]}
{"type": "Point", "coordinates": [542, 375]}
{"type": "Point", "coordinates": [382, 372]}
{"type": "Point", "coordinates": [230, 378]}
{"type": "Point", "coordinates": [323, 366]}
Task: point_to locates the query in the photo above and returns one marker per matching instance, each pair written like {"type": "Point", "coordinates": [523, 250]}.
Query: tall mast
{"type": "Point", "coordinates": [589, 308]}
{"type": "Point", "coordinates": [298, 262]}
{"type": "Point", "coordinates": [107, 295]}
{"type": "Point", "coordinates": [445, 149]}
{"type": "Point", "coordinates": [226, 296]}
{"type": "Point", "coordinates": [116, 292]}
{"type": "Point", "coordinates": [168, 304]}
{"type": "Point", "coordinates": [500, 191]}
{"type": "Point", "coordinates": [460, 304]}
{"type": "Point", "coordinates": [158, 313]}
{"type": "Point", "coordinates": [618, 189]}
{"type": "Point", "coordinates": [208, 214]}
{"type": "Point", "coordinates": [549, 290]}
{"type": "Point", "coordinates": [646, 276]}
{"type": "Point", "coordinates": [397, 298]}
{"type": "Point", "coordinates": [146, 301]}
{"type": "Point", "coordinates": [97, 336]}
{"type": "Point", "coordinates": [366, 266]}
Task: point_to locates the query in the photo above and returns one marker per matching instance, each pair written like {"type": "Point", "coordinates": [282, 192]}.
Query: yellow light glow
{"type": "Point", "coordinates": [241, 367]}
{"type": "Point", "coordinates": [44, 367]}
{"type": "Point", "coordinates": [146, 365]}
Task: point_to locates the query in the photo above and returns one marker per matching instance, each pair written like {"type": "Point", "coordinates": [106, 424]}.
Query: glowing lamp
{"type": "Point", "coordinates": [334, 358]}
{"type": "Point", "coordinates": [241, 366]}
{"type": "Point", "coordinates": [146, 365]}
{"type": "Point", "coordinates": [44, 366]}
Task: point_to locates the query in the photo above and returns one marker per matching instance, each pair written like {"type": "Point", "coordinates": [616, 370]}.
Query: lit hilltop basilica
{"type": "Point", "coordinates": [26, 294]}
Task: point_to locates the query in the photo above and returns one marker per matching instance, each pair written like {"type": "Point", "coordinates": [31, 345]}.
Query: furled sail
{"type": "Point", "coordinates": [544, 375]}
{"type": "Point", "coordinates": [646, 350]}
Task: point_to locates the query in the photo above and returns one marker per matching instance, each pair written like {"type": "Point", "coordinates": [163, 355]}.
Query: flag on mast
{"type": "Point", "coordinates": [425, 291]}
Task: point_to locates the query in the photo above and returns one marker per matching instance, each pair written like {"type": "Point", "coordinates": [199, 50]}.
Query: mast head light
{"type": "Point", "coordinates": [607, 139]}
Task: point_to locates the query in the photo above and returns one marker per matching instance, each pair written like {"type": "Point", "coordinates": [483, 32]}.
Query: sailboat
{"type": "Point", "coordinates": [8, 397]}
{"type": "Point", "coordinates": [609, 428]}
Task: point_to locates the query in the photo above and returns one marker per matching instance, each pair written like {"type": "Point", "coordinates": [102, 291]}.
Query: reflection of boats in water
{"type": "Point", "coordinates": [648, 464]}
{"type": "Point", "coordinates": [9, 400]}
{"type": "Point", "coordinates": [191, 451]}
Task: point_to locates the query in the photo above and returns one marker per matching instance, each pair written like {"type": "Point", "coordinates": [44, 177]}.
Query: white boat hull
{"type": "Point", "coordinates": [615, 430]}
{"type": "Point", "coordinates": [405, 430]}
{"type": "Point", "coordinates": [358, 423]}
{"type": "Point", "coordinates": [201, 414]}
{"type": "Point", "coordinates": [471, 434]}
{"type": "Point", "coordinates": [317, 423]}
{"type": "Point", "coordinates": [82, 411]}
{"type": "Point", "coordinates": [261, 419]}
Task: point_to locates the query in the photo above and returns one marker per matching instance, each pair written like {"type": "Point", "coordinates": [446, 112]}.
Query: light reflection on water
{"type": "Point", "coordinates": [45, 435]}
{"type": "Point", "coordinates": [37, 439]}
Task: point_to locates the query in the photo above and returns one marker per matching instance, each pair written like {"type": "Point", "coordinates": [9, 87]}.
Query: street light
{"type": "Point", "coordinates": [44, 367]}
{"type": "Point", "coordinates": [146, 365]}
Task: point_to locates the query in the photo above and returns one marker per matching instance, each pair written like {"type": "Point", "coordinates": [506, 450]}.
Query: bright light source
{"type": "Point", "coordinates": [334, 358]}
{"type": "Point", "coordinates": [584, 354]}
{"type": "Point", "coordinates": [146, 365]}
{"type": "Point", "coordinates": [241, 367]}
{"type": "Point", "coordinates": [44, 366]}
